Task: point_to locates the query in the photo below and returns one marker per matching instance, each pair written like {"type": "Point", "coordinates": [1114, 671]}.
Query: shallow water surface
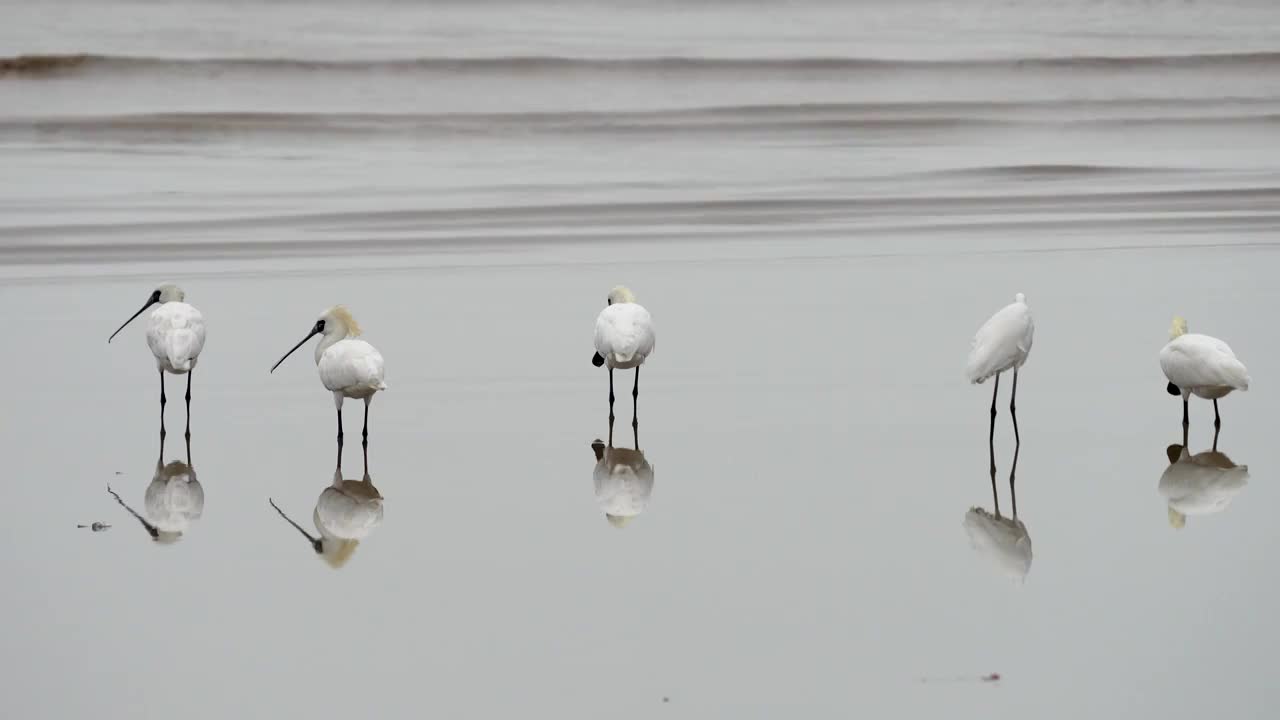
{"type": "Point", "coordinates": [818, 203]}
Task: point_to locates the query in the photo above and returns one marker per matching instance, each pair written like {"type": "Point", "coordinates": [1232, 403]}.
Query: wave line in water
{"type": "Point", "coordinates": [773, 118]}
{"type": "Point", "coordinates": [40, 66]}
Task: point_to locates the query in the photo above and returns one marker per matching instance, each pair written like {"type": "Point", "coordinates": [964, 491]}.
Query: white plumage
{"type": "Point", "coordinates": [1201, 365]}
{"type": "Point", "coordinates": [175, 334]}
{"type": "Point", "coordinates": [624, 331]}
{"type": "Point", "coordinates": [350, 367]}
{"type": "Point", "coordinates": [1003, 342]}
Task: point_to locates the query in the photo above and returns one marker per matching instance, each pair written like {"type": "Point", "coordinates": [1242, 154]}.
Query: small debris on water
{"type": "Point", "coordinates": [666, 699]}
{"type": "Point", "coordinates": [988, 678]}
{"type": "Point", "coordinates": [96, 527]}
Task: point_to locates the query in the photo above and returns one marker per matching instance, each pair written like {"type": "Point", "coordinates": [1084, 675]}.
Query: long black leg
{"type": "Point", "coordinates": [635, 401]}
{"type": "Point", "coordinates": [1186, 423]}
{"type": "Point", "coordinates": [364, 437]}
{"type": "Point", "coordinates": [189, 374]}
{"type": "Point", "coordinates": [1217, 419]}
{"type": "Point", "coordinates": [1017, 443]}
{"type": "Point", "coordinates": [188, 449]}
{"type": "Point", "coordinates": [610, 397]}
{"type": "Point", "coordinates": [339, 438]}
{"type": "Point", "coordinates": [991, 446]}
{"type": "Point", "coordinates": [163, 400]}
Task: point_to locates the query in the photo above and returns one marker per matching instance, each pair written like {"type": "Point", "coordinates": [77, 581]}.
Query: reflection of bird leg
{"type": "Point", "coordinates": [163, 400]}
{"type": "Point", "coordinates": [152, 530]}
{"type": "Point", "coordinates": [1216, 429]}
{"type": "Point", "coordinates": [1217, 419]}
{"type": "Point", "coordinates": [610, 429]}
{"type": "Point", "coordinates": [611, 402]}
{"type": "Point", "coordinates": [1186, 422]}
{"type": "Point", "coordinates": [315, 541]}
{"type": "Point", "coordinates": [364, 435]}
{"type": "Point", "coordinates": [1017, 443]}
{"type": "Point", "coordinates": [188, 449]}
{"type": "Point", "coordinates": [635, 434]}
{"type": "Point", "coordinates": [188, 397]}
{"type": "Point", "coordinates": [991, 445]}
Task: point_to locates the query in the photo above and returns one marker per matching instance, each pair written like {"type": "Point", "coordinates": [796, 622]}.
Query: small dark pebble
{"type": "Point", "coordinates": [666, 699]}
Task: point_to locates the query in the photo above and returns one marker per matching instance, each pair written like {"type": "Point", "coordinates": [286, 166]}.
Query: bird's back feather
{"type": "Point", "coordinates": [1003, 342]}
{"type": "Point", "coordinates": [624, 334]}
{"type": "Point", "coordinates": [1199, 361]}
{"type": "Point", "coordinates": [175, 334]}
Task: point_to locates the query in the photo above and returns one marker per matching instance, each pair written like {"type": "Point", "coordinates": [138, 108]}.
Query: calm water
{"type": "Point", "coordinates": [819, 203]}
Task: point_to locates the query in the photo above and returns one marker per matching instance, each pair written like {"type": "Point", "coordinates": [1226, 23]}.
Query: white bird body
{"type": "Point", "coordinates": [1003, 342]}
{"type": "Point", "coordinates": [624, 335]}
{"type": "Point", "coordinates": [623, 483]}
{"type": "Point", "coordinates": [350, 367]}
{"type": "Point", "coordinates": [1201, 365]}
{"type": "Point", "coordinates": [1201, 484]}
{"type": "Point", "coordinates": [1003, 540]}
{"type": "Point", "coordinates": [175, 334]}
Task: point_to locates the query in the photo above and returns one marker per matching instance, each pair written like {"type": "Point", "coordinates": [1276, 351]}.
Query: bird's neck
{"type": "Point", "coordinates": [327, 341]}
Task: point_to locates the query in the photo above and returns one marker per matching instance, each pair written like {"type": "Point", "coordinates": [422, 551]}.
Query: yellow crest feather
{"type": "Point", "coordinates": [342, 315]}
{"type": "Point", "coordinates": [1179, 327]}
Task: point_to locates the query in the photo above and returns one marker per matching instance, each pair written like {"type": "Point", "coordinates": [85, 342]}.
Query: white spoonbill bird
{"type": "Point", "coordinates": [349, 367]}
{"type": "Point", "coordinates": [1202, 365]}
{"type": "Point", "coordinates": [175, 334]}
{"type": "Point", "coordinates": [624, 339]}
{"type": "Point", "coordinates": [1002, 343]}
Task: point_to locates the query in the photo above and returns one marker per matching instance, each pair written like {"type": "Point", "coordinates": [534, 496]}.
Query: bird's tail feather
{"type": "Point", "coordinates": [623, 357]}
{"type": "Point", "coordinates": [180, 349]}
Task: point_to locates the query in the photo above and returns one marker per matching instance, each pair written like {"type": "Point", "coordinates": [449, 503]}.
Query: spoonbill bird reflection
{"type": "Point", "coordinates": [173, 500]}
{"type": "Point", "coordinates": [1201, 484]}
{"type": "Point", "coordinates": [175, 334]}
{"type": "Point", "coordinates": [1202, 366]}
{"type": "Point", "coordinates": [1002, 343]}
{"type": "Point", "coordinates": [624, 339]}
{"type": "Point", "coordinates": [346, 512]}
{"type": "Point", "coordinates": [1003, 540]}
{"type": "Point", "coordinates": [623, 478]}
{"type": "Point", "coordinates": [348, 367]}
